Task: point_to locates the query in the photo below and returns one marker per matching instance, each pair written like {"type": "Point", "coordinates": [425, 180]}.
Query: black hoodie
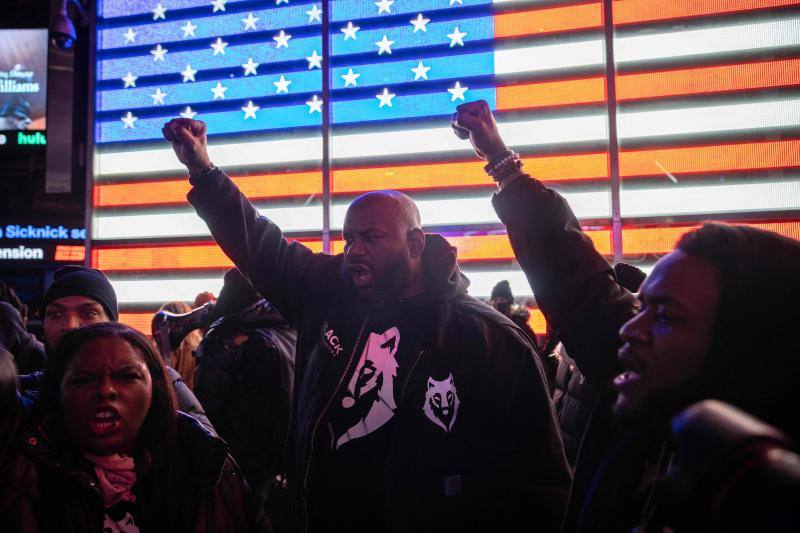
{"type": "Point", "coordinates": [473, 443]}
{"type": "Point", "coordinates": [28, 352]}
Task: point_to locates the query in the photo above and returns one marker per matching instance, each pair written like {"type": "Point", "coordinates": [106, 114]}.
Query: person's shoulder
{"type": "Point", "coordinates": [485, 317]}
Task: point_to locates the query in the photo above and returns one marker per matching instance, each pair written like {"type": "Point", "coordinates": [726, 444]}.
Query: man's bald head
{"type": "Point", "coordinates": [384, 244]}
{"type": "Point", "coordinates": [395, 207]}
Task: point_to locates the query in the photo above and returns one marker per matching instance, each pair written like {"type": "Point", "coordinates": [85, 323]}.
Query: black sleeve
{"type": "Point", "coordinates": [279, 270]}
{"type": "Point", "coordinates": [187, 401]}
{"type": "Point", "coordinates": [574, 285]}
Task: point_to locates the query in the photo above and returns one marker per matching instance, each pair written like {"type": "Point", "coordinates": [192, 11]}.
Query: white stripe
{"type": "Point", "coordinates": [711, 199]}
{"type": "Point", "coordinates": [717, 40]}
{"type": "Point", "coordinates": [375, 144]}
{"type": "Point", "coordinates": [158, 290]}
{"type": "Point", "coordinates": [750, 116]}
{"type": "Point", "coordinates": [459, 212]}
{"type": "Point", "coordinates": [549, 57]}
{"type": "Point", "coordinates": [188, 224]}
{"type": "Point", "coordinates": [253, 153]}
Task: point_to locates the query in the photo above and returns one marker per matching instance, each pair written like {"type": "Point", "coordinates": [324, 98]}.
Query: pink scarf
{"type": "Point", "coordinates": [116, 475]}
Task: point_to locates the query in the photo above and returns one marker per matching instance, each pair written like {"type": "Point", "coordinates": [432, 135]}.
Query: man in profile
{"type": "Point", "coordinates": [416, 406]}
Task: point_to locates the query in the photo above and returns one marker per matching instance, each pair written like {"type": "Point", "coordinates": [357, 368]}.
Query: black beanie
{"type": "Point", "coordinates": [629, 276]}
{"type": "Point", "coordinates": [502, 290]}
{"type": "Point", "coordinates": [236, 294]}
{"type": "Point", "coordinates": [82, 281]}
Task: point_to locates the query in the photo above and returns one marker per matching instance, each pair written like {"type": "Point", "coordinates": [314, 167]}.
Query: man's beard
{"type": "Point", "coordinates": [393, 280]}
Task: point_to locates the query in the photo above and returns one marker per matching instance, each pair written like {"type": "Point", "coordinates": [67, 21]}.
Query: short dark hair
{"type": "Point", "coordinates": [158, 433]}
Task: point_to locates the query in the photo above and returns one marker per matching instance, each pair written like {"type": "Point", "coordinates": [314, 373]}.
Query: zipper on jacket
{"type": "Point", "coordinates": [321, 416]}
{"type": "Point", "coordinates": [408, 377]}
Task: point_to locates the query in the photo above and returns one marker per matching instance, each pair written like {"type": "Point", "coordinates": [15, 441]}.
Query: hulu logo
{"type": "Point", "coordinates": [31, 138]}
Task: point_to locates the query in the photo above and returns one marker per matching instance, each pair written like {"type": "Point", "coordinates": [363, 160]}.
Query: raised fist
{"type": "Point", "coordinates": [188, 138]}
{"type": "Point", "coordinates": [475, 119]}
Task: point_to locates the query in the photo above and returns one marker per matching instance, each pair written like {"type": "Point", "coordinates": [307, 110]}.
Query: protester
{"type": "Point", "coordinates": [9, 295]}
{"type": "Point", "coordinates": [415, 405]}
{"type": "Point", "coordinates": [80, 296]}
{"type": "Point", "coordinates": [28, 352]}
{"type": "Point", "coordinates": [716, 321]}
{"type": "Point", "coordinates": [244, 380]}
{"type": "Point", "coordinates": [107, 449]}
{"type": "Point", "coordinates": [182, 358]}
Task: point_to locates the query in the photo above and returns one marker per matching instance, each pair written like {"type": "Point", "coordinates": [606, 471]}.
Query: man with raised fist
{"type": "Point", "coordinates": [415, 405]}
{"type": "Point", "coordinates": [687, 337]}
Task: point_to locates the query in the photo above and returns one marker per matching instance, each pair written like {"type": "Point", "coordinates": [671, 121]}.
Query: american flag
{"type": "Point", "coordinates": [708, 122]}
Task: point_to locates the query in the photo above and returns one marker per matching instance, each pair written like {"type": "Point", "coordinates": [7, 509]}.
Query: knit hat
{"type": "Point", "coordinates": [502, 290]}
{"type": "Point", "coordinates": [82, 281]}
{"type": "Point", "coordinates": [629, 276]}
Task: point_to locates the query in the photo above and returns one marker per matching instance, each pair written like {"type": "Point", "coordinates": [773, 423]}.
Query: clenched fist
{"type": "Point", "coordinates": [188, 138]}
{"type": "Point", "coordinates": [476, 119]}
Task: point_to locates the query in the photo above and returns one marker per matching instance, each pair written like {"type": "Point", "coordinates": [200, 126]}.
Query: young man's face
{"type": "Point", "coordinates": [68, 313]}
{"type": "Point", "coordinates": [666, 344]}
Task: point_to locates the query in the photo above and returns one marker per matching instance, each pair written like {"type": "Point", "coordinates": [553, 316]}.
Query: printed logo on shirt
{"type": "Point", "coordinates": [370, 392]}
{"type": "Point", "coordinates": [332, 342]}
{"type": "Point", "coordinates": [441, 402]}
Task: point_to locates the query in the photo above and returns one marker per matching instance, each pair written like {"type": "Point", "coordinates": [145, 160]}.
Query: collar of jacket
{"type": "Point", "coordinates": [203, 452]}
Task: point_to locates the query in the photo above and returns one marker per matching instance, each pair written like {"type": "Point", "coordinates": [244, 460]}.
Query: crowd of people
{"type": "Point", "coordinates": [368, 391]}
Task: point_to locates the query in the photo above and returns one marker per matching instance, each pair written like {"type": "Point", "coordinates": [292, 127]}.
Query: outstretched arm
{"type": "Point", "coordinates": [574, 285]}
{"type": "Point", "coordinates": [277, 269]}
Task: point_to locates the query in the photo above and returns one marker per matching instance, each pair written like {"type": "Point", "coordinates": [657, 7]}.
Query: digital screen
{"type": "Point", "coordinates": [23, 84]}
{"type": "Point", "coordinates": [707, 122]}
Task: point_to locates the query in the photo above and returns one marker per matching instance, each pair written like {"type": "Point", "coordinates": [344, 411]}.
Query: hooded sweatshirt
{"type": "Point", "coordinates": [427, 413]}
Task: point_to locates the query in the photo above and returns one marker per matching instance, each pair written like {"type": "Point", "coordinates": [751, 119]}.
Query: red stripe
{"type": "Point", "coordinates": [638, 11]}
{"type": "Point", "coordinates": [544, 21]}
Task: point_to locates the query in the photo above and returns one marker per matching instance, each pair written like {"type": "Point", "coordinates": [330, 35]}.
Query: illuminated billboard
{"type": "Point", "coordinates": [706, 108]}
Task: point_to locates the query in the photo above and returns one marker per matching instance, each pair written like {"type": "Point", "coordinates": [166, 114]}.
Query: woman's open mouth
{"type": "Point", "coordinates": [104, 422]}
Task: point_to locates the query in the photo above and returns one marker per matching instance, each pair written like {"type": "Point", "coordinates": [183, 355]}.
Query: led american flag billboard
{"type": "Point", "coordinates": [706, 122]}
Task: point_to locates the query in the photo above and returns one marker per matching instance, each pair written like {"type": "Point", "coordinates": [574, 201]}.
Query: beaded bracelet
{"type": "Point", "coordinates": [503, 166]}
{"type": "Point", "coordinates": [203, 172]}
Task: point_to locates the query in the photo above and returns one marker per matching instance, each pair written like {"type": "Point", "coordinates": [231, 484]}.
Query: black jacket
{"type": "Point", "coordinates": [244, 381]}
{"type": "Point", "coordinates": [578, 292]}
{"type": "Point", "coordinates": [502, 458]}
{"type": "Point", "coordinates": [46, 485]}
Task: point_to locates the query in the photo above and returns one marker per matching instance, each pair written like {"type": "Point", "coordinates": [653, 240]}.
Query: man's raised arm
{"type": "Point", "coordinates": [574, 285]}
{"type": "Point", "coordinates": [278, 270]}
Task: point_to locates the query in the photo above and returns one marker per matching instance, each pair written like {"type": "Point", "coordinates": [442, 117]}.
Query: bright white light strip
{"type": "Point", "coordinates": [709, 199]}
{"type": "Point", "coordinates": [252, 153]}
{"type": "Point", "coordinates": [158, 290]}
{"type": "Point", "coordinates": [375, 144]}
{"type": "Point", "coordinates": [188, 224]}
{"type": "Point", "coordinates": [720, 39]}
{"type": "Point", "coordinates": [306, 219]}
{"type": "Point", "coordinates": [549, 57]}
{"type": "Point", "coordinates": [749, 116]}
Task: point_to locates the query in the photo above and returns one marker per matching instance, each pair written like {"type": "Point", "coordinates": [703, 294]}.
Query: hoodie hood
{"type": "Point", "coordinates": [754, 359]}
{"type": "Point", "coordinates": [443, 279]}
